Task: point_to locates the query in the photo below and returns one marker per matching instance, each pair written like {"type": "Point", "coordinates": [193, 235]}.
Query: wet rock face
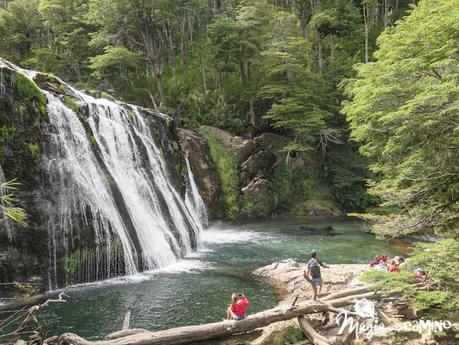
{"type": "Point", "coordinates": [204, 169]}
{"type": "Point", "coordinates": [23, 126]}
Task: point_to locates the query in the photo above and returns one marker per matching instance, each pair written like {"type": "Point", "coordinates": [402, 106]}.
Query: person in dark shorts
{"type": "Point", "coordinates": [312, 273]}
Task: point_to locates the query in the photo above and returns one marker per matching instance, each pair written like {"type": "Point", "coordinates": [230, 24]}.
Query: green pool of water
{"type": "Point", "coordinates": [197, 289]}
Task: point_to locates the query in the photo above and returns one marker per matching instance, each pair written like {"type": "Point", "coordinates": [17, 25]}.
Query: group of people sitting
{"type": "Point", "coordinates": [383, 263]}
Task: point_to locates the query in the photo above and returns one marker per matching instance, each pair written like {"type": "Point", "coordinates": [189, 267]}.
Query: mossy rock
{"type": "Point", "coordinates": [317, 208]}
{"type": "Point", "coordinates": [228, 170]}
{"type": "Point", "coordinates": [27, 89]}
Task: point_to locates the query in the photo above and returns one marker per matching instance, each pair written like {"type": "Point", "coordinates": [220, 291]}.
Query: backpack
{"type": "Point", "coordinates": [315, 270]}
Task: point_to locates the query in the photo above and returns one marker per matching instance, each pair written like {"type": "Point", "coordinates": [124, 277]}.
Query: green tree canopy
{"type": "Point", "coordinates": [404, 111]}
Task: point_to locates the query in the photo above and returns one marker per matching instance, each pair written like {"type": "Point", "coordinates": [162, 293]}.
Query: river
{"type": "Point", "coordinates": [198, 288]}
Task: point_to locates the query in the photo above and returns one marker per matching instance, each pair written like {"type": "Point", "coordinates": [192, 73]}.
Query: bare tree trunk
{"type": "Point", "coordinates": [187, 334]}
{"type": "Point", "coordinates": [320, 54]}
{"type": "Point", "coordinates": [153, 63]}
{"type": "Point", "coordinates": [365, 20]}
{"type": "Point", "coordinates": [202, 66]}
{"type": "Point", "coordinates": [182, 39]}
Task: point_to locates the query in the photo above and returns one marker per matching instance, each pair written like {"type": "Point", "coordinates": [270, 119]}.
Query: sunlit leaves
{"type": "Point", "coordinates": [404, 110]}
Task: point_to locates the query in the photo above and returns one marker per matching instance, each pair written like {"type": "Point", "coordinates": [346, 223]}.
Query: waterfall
{"type": "Point", "coordinates": [193, 198]}
{"type": "Point", "coordinates": [112, 207]}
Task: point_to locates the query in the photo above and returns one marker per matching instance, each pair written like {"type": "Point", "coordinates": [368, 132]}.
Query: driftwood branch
{"type": "Point", "coordinates": [188, 334]}
{"type": "Point", "coordinates": [126, 320]}
{"type": "Point", "coordinates": [30, 317]}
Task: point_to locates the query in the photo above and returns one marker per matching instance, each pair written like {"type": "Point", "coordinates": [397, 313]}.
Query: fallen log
{"type": "Point", "coordinates": [187, 334]}
{"type": "Point", "coordinates": [311, 333]}
{"type": "Point", "coordinates": [355, 291]}
{"type": "Point", "coordinates": [125, 332]}
{"type": "Point", "coordinates": [344, 301]}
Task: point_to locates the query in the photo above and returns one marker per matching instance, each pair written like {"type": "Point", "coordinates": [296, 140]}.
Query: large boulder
{"type": "Point", "coordinates": [204, 169]}
{"type": "Point", "coordinates": [318, 210]}
{"type": "Point", "coordinates": [240, 146]}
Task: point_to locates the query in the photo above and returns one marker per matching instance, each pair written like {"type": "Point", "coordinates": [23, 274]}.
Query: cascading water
{"type": "Point", "coordinates": [80, 188]}
{"type": "Point", "coordinates": [111, 206]}
{"type": "Point", "coordinates": [193, 199]}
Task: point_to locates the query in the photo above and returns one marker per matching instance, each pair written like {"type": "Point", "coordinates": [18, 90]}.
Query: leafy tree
{"type": "Point", "coordinates": [291, 88]}
{"type": "Point", "coordinates": [404, 111]}
{"type": "Point", "coordinates": [21, 27]}
{"type": "Point", "coordinates": [237, 43]}
{"type": "Point", "coordinates": [68, 37]}
{"type": "Point", "coordinates": [118, 66]}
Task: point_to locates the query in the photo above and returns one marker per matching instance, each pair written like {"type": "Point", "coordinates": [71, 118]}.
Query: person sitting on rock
{"type": "Point", "coordinates": [375, 261]}
{"type": "Point", "coordinates": [237, 308]}
{"type": "Point", "coordinates": [313, 275]}
{"type": "Point", "coordinates": [393, 267]}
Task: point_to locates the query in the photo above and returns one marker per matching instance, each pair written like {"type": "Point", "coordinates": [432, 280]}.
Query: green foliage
{"type": "Point", "coordinates": [76, 259]}
{"type": "Point", "coordinates": [291, 86]}
{"type": "Point", "coordinates": [260, 205]}
{"type": "Point", "coordinates": [71, 103]}
{"type": "Point", "coordinates": [404, 112]}
{"type": "Point", "coordinates": [118, 66]}
{"type": "Point", "coordinates": [441, 262]}
{"type": "Point", "coordinates": [227, 167]}
{"type": "Point", "coordinates": [20, 27]}
{"type": "Point", "coordinates": [28, 90]}
{"type": "Point", "coordinates": [7, 201]}
{"type": "Point", "coordinates": [32, 150]}
{"type": "Point", "coordinates": [7, 133]}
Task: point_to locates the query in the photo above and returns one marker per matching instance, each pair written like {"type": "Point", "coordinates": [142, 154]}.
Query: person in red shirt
{"type": "Point", "coordinates": [237, 308]}
{"type": "Point", "coordinates": [393, 267]}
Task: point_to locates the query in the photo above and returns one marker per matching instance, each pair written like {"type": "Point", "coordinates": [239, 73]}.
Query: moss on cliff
{"type": "Point", "coordinates": [227, 167]}
{"type": "Point", "coordinates": [27, 89]}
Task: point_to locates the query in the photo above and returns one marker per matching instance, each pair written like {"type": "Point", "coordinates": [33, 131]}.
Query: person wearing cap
{"type": "Point", "coordinates": [312, 273]}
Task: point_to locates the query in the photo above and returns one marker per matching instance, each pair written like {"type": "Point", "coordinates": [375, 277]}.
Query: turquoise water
{"type": "Point", "coordinates": [197, 289]}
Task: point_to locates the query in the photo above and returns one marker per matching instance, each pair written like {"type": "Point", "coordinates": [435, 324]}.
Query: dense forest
{"type": "Point", "coordinates": [245, 66]}
{"type": "Point", "coordinates": [278, 66]}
